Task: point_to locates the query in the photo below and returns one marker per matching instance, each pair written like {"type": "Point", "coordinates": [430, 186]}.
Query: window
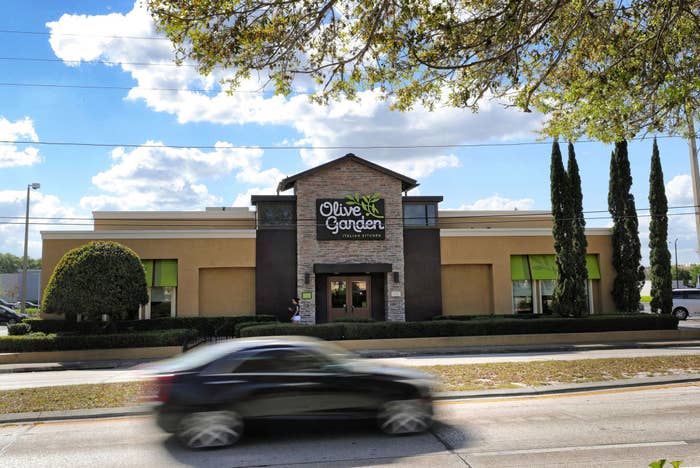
{"type": "Point", "coordinates": [535, 278]}
{"type": "Point", "coordinates": [522, 297]}
{"type": "Point", "coordinates": [276, 215]}
{"type": "Point", "coordinates": [547, 295]}
{"type": "Point", "coordinates": [281, 361]}
{"type": "Point", "coordinates": [420, 214]}
{"type": "Point", "coordinates": [161, 280]}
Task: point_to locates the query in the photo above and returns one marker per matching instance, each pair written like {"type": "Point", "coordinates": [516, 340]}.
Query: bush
{"type": "Point", "coordinates": [95, 279]}
{"type": "Point", "coordinates": [505, 326]}
{"type": "Point", "coordinates": [327, 331]}
{"type": "Point", "coordinates": [353, 320]}
{"type": "Point", "coordinates": [52, 342]}
{"type": "Point", "coordinates": [205, 326]}
{"type": "Point", "coordinates": [18, 329]}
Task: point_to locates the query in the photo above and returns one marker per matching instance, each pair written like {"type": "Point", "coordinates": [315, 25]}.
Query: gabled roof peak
{"type": "Point", "coordinates": [406, 182]}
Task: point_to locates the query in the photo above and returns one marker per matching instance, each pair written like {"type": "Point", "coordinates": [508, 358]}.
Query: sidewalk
{"type": "Point", "coordinates": [485, 352]}
{"type": "Point", "coordinates": [144, 410]}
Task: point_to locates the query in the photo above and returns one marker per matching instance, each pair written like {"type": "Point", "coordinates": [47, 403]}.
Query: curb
{"type": "Point", "coordinates": [144, 410]}
{"type": "Point", "coordinates": [71, 415]}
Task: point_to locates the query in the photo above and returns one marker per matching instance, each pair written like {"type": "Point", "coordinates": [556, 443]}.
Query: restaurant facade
{"type": "Point", "coordinates": [349, 242]}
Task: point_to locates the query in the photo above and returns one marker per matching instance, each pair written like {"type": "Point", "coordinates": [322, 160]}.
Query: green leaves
{"type": "Point", "coordinates": [367, 203]}
{"type": "Point", "coordinates": [97, 278]}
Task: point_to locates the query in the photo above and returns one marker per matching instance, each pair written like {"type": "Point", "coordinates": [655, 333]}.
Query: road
{"type": "Point", "coordinates": [620, 428]}
{"type": "Point", "coordinates": [73, 377]}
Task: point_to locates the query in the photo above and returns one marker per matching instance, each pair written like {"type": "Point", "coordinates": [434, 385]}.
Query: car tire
{"type": "Point", "coordinates": [210, 429]}
{"type": "Point", "coordinates": [405, 417]}
{"type": "Point", "coordinates": [681, 313]}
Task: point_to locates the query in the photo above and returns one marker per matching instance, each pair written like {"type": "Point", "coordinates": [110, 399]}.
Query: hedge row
{"type": "Point", "coordinates": [379, 330]}
{"type": "Point", "coordinates": [205, 326]}
{"type": "Point", "coordinates": [520, 316]}
{"type": "Point", "coordinates": [52, 342]}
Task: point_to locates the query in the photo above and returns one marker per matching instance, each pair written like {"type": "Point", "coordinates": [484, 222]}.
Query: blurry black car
{"type": "Point", "coordinates": [204, 396]}
{"type": "Point", "coordinates": [10, 316]}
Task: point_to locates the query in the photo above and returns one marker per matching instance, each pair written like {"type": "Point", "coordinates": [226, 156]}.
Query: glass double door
{"type": "Point", "coordinates": [349, 296]}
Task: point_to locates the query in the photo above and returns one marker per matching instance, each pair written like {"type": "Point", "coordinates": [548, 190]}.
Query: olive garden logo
{"type": "Point", "coordinates": [356, 217]}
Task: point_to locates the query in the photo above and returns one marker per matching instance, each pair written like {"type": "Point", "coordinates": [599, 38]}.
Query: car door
{"type": "Point", "coordinates": [265, 383]}
{"type": "Point", "coordinates": [693, 303]}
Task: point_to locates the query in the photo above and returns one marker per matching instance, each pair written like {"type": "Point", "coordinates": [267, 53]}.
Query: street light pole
{"type": "Point", "coordinates": [675, 247]}
{"type": "Point", "coordinates": [23, 297]}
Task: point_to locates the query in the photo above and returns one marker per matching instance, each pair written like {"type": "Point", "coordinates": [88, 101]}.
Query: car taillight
{"type": "Point", "coordinates": [163, 383]}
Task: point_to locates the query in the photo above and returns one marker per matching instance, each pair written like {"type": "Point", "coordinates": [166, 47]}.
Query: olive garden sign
{"type": "Point", "coordinates": [356, 217]}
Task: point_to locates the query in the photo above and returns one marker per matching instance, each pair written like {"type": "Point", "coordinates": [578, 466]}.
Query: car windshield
{"type": "Point", "coordinates": [201, 356]}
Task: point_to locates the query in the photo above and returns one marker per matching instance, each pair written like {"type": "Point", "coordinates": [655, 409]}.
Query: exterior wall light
{"type": "Point", "coordinates": [307, 278]}
{"type": "Point", "coordinates": [396, 277]}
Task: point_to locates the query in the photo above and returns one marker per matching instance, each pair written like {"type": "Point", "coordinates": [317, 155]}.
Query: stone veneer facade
{"type": "Point", "coordinates": [337, 181]}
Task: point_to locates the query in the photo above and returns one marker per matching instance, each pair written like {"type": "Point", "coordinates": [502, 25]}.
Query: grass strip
{"type": "Point", "coordinates": [70, 397]}
{"type": "Point", "coordinates": [452, 377]}
{"type": "Point", "coordinates": [541, 373]}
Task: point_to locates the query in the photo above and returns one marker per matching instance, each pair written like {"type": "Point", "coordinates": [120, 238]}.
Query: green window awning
{"type": "Point", "coordinates": [165, 273]}
{"type": "Point", "coordinates": [592, 266]}
{"type": "Point", "coordinates": [160, 272]}
{"type": "Point", "coordinates": [148, 267]}
{"type": "Point", "coordinates": [543, 267]}
{"type": "Point", "coordinates": [519, 269]}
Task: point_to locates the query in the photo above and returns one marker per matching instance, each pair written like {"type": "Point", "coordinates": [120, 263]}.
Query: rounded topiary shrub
{"type": "Point", "coordinates": [95, 279]}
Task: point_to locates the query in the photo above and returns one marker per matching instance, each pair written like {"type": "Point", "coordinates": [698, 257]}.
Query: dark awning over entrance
{"type": "Point", "coordinates": [352, 267]}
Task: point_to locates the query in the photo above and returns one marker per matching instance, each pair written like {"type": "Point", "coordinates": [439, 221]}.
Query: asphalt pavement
{"type": "Point", "coordinates": [624, 428]}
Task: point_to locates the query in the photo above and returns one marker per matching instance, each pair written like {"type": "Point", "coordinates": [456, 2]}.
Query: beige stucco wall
{"type": "Point", "coordinates": [469, 289]}
{"type": "Point", "coordinates": [226, 291]}
{"type": "Point", "coordinates": [507, 220]}
{"type": "Point", "coordinates": [191, 254]}
{"type": "Point", "coordinates": [496, 251]}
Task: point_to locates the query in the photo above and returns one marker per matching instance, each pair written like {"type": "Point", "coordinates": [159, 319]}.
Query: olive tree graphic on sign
{"type": "Point", "coordinates": [368, 203]}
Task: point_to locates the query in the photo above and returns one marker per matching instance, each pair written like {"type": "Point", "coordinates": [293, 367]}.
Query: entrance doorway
{"type": "Point", "coordinates": [349, 296]}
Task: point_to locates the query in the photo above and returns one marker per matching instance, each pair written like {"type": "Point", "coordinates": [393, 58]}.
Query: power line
{"type": "Point", "coordinates": [443, 222]}
{"type": "Point", "coordinates": [504, 214]}
{"type": "Point", "coordinates": [299, 147]}
{"type": "Point", "coordinates": [96, 62]}
{"type": "Point", "coordinates": [45, 33]}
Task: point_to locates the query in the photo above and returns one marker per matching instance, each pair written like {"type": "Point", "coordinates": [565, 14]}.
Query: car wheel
{"type": "Point", "coordinates": [680, 313]}
{"type": "Point", "coordinates": [405, 416]}
{"type": "Point", "coordinates": [210, 429]}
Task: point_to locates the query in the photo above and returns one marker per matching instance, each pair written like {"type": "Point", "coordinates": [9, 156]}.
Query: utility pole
{"type": "Point", "coordinates": [23, 296]}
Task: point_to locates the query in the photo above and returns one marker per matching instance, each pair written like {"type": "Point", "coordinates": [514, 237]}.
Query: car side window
{"type": "Point", "coordinates": [694, 295]}
{"type": "Point", "coordinates": [281, 361]}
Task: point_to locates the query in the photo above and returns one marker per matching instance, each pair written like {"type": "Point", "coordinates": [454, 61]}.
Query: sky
{"type": "Point", "coordinates": [170, 139]}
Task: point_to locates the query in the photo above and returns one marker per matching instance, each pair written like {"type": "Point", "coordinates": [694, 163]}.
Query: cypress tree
{"type": "Point", "coordinates": [659, 255]}
{"type": "Point", "coordinates": [626, 255]}
{"type": "Point", "coordinates": [578, 238]}
{"type": "Point", "coordinates": [563, 299]}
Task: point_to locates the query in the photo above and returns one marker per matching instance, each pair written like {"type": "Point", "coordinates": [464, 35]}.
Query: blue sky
{"type": "Point", "coordinates": [67, 43]}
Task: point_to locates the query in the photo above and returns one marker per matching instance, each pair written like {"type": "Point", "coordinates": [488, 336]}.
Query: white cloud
{"type": "Point", "coordinates": [679, 191]}
{"type": "Point", "coordinates": [12, 155]}
{"type": "Point", "coordinates": [46, 212]}
{"type": "Point", "coordinates": [496, 202]}
{"type": "Point", "coordinates": [155, 177]}
{"type": "Point", "coordinates": [368, 122]}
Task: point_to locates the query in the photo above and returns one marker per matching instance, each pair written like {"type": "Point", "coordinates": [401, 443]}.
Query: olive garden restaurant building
{"type": "Point", "coordinates": [350, 242]}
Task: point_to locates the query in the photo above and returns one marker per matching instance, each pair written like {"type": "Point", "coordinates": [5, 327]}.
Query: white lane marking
{"type": "Point", "coordinates": [575, 448]}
